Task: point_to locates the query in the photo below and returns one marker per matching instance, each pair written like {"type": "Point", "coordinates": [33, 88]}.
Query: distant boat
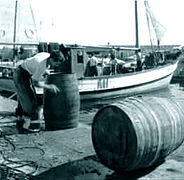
{"type": "Point", "coordinates": [155, 73]}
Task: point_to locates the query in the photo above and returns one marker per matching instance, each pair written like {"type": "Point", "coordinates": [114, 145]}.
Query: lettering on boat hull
{"type": "Point", "coordinates": [102, 83]}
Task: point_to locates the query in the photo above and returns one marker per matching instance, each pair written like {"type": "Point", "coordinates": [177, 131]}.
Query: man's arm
{"type": "Point", "coordinates": [51, 87]}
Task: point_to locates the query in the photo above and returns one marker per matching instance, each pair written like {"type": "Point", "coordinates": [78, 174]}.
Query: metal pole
{"type": "Point", "coordinates": [14, 33]}
{"type": "Point", "coordinates": [136, 26]}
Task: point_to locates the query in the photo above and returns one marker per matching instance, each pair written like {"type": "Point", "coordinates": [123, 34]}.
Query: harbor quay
{"type": "Point", "coordinates": [65, 154]}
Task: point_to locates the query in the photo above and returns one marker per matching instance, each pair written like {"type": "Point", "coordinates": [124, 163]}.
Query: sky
{"type": "Point", "coordinates": [99, 22]}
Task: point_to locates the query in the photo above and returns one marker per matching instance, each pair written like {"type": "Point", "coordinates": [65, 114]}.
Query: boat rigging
{"type": "Point", "coordinates": [155, 69]}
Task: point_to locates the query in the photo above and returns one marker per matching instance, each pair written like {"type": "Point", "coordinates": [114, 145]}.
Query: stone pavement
{"type": "Point", "coordinates": [65, 154]}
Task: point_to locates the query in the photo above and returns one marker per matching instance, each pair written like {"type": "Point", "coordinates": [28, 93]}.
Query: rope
{"type": "Point", "coordinates": [14, 172]}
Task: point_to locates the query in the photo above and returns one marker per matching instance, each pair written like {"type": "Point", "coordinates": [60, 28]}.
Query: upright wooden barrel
{"type": "Point", "coordinates": [61, 111]}
{"type": "Point", "coordinates": [138, 132]}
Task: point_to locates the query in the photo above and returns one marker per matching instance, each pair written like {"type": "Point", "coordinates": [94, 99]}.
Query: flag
{"type": "Point", "coordinates": [158, 28]}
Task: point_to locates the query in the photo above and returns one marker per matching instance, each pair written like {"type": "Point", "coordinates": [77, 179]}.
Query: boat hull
{"type": "Point", "coordinates": [128, 91]}
{"type": "Point", "coordinates": [104, 87]}
{"type": "Point", "coordinates": [126, 84]}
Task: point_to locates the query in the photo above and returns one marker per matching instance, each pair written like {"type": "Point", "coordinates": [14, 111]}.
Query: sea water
{"type": "Point", "coordinates": [88, 111]}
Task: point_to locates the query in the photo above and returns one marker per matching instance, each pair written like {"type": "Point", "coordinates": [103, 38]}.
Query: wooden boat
{"type": "Point", "coordinates": [132, 82]}
{"type": "Point", "coordinates": [127, 84]}
{"type": "Point", "coordinates": [106, 86]}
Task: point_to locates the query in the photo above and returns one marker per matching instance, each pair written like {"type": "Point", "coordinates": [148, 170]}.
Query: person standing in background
{"type": "Point", "coordinates": [139, 60]}
{"type": "Point", "coordinates": [91, 67]}
{"type": "Point", "coordinates": [113, 63]}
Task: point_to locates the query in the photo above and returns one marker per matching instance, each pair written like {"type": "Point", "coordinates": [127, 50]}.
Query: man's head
{"type": "Point", "coordinates": [57, 55]}
{"type": "Point", "coordinates": [112, 56]}
{"type": "Point", "coordinates": [56, 58]}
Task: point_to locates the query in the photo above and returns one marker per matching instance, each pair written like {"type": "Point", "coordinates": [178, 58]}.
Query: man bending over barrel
{"type": "Point", "coordinates": [28, 75]}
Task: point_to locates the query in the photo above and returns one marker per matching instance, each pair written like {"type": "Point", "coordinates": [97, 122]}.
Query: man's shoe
{"type": "Point", "coordinates": [36, 124]}
{"type": "Point", "coordinates": [28, 131]}
{"type": "Point", "coordinates": [27, 122]}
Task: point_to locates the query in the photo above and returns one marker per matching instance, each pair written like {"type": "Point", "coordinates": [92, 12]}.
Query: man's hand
{"type": "Point", "coordinates": [49, 71]}
{"type": "Point", "coordinates": [50, 87]}
{"type": "Point", "coordinates": [53, 88]}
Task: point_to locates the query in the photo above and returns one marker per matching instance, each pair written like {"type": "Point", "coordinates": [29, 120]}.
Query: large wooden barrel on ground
{"type": "Point", "coordinates": [138, 132]}
{"type": "Point", "coordinates": [61, 111]}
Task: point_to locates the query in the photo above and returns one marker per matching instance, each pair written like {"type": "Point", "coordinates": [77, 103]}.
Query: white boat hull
{"type": "Point", "coordinates": [92, 88]}
{"type": "Point", "coordinates": [126, 84]}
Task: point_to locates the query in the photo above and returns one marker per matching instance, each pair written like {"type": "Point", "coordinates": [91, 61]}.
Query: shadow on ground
{"type": "Point", "coordinates": [133, 175]}
{"type": "Point", "coordinates": [90, 168]}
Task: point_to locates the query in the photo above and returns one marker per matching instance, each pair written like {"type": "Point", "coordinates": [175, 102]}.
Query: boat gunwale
{"type": "Point", "coordinates": [130, 73]}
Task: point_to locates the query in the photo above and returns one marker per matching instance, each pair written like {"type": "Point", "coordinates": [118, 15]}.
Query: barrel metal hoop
{"type": "Point", "coordinates": [138, 153]}
{"type": "Point", "coordinates": [143, 105]}
{"type": "Point", "coordinates": [159, 136]}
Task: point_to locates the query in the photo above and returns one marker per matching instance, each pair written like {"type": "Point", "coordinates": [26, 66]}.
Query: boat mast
{"type": "Point", "coordinates": [136, 26]}
{"type": "Point", "coordinates": [14, 33]}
